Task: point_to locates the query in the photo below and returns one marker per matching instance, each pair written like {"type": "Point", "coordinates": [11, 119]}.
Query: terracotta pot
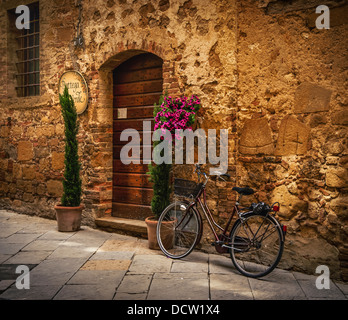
{"type": "Point", "coordinates": [68, 218]}
{"type": "Point", "coordinates": [167, 239]}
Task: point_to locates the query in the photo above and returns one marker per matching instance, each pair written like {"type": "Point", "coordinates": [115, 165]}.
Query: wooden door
{"type": "Point", "coordinates": [138, 85]}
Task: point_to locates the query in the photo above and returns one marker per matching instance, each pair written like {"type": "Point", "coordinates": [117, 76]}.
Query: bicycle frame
{"type": "Point", "coordinates": [211, 221]}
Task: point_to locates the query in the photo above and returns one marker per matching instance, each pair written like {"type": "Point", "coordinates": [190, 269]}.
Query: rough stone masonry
{"type": "Point", "coordinates": [261, 69]}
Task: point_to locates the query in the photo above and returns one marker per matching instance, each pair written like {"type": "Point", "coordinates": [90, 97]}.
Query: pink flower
{"type": "Point", "coordinates": [177, 113]}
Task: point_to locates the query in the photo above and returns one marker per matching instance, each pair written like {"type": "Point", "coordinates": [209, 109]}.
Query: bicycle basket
{"type": "Point", "coordinates": [186, 188]}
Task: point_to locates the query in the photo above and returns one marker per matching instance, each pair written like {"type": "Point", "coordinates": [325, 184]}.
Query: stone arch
{"type": "Point", "coordinates": [105, 95]}
{"type": "Point", "coordinates": [122, 51]}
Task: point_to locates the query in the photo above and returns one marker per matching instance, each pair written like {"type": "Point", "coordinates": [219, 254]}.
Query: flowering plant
{"type": "Point", "coordinates": [169, 115]}
{"type": "Point", "coordinates": [177, 114]}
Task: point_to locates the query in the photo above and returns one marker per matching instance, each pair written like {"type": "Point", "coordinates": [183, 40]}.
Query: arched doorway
{"type": "Point", "coordinates": [137, 85]}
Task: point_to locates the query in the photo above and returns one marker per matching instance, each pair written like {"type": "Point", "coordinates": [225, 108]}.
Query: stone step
{"type": "Point", "coordinates": [136, 228]}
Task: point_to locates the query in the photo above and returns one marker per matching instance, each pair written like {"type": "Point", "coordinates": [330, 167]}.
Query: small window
{"type": "Point", "coordinates": [27, 59]}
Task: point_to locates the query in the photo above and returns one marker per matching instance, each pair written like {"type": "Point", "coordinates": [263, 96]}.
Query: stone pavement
{"type": "Point", "coordinates": [96, 265]}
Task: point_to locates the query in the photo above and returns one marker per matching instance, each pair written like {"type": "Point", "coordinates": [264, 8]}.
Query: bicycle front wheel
{"type": "Point", "coordinates": [178, 230]}
{"type": "Point", "coordinates": [257, 245]}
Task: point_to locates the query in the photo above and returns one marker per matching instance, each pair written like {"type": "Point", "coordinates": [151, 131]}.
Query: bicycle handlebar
{"type": "Point", "coordinates": [199, 172]}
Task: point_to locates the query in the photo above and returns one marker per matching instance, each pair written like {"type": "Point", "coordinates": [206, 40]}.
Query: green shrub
{"type": "Point", "coordinates": [72, 182]}
{"type": "Point", "coordinates": [160, 177]}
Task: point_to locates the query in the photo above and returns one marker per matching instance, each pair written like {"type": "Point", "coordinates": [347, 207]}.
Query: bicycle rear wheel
{"type": "Point", "coordinates": [178, 230]}
{"type": "Point", "coordinates": [256, 245]}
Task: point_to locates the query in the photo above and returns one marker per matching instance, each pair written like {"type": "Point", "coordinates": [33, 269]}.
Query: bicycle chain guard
{"type": "Point", "coordinates": [218, 246]}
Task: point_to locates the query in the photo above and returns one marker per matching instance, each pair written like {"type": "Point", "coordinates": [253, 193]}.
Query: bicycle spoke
{"type": "Point", "coordinates": [177, 231]}
{"type": "Point", "coordinates": [263, 236]}
{"type": "Point", "coordinates": [256, 245]}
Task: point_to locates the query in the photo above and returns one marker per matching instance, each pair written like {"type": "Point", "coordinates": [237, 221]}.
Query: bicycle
{"type": "Point", "coordinates": [255, 242]}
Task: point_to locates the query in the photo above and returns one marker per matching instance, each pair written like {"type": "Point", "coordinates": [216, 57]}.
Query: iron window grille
{"type": "Point", "coordinates": [28, 52]}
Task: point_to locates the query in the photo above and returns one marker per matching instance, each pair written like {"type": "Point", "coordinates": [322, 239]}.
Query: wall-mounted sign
{"type": "Point", "coordinates": [122, 113]}
{"type": "Point", "coordinates": [77, 88]}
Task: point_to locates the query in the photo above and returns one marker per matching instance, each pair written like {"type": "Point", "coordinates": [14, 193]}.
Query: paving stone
{"type": "Point", "coordinates": [4, 284]}
{"type": "Point", "coordinates": [130, 296]}
{"type": "Point", "coordinates": [92, 243]}
{"type": "Point", "coordinates": [343, 287]}
{"type": "Point", "coordinates": [119, 245]}
{"type": "Point", "coordinates": [56, 235]}
{"type": "Point", "coordinates": [106, 265]}
{"type": "Point", "coordinates": [29, 257]}
{"type": "Point", "coordinates": [229, 287]}
{"type": "Point", "coordinates": [34, 293]}
{"type": "Point", "coordinates": [112, 255]}
{"type": "Point", "coordinates": [276, 286]}
{"type": "Point", "coordinates": [86, 292]}
{"type": "Point", "coordinates": [196, 257]}
{"type": "Point", "coordinates": [36, 227]}
{"type": "Point", "coordinates": [221, 264]}
{"type": "Point", "coordinates": [187, 266]}
{"type": "Point", "coordinates": [180, 287]}
{"type": "Point", "coordinates": [97, 277]}
{"type": "Point", "coordinates": [143, 248]}
{"type": "Point", "coordinates": [118, 236]}
{"type": "Point", "coordinates": [89, 237]}
{"type": "Point", "coordinates": [143, 264]}
{"type": "Point", "coordinates": [131, 244]}
{"type": "Point", "coordinates": [65, 250]}
{"type": "Point", "coordinates": [5, 214]}
{"type": "Point", "coordinates": [55, 271]}
{"type": "Point", "coordinates": [4, 257]}
{"type": "Point", "coordinates": [7, 230]}
{"type": "Point", "coordinates": [172, 275]}
{"type": "Point", "coordinates": [11, 248]}
{"type": "Point", "coordinates": [46, 245]}
{"type": "Point", "coordinates": [21, 238]}
{"type": "Point", "coordinates": [302, 276]}
{"type": "Point", "coordinates": [135, 283]}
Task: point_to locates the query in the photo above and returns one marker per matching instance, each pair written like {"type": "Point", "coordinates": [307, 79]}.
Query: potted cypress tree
{"type": "Point", "coordinates": [69, 212]}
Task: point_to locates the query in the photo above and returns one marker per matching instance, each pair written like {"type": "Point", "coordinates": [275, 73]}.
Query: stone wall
{"type": "Point", "coordinates": [261, 69]}
{"type": "Point", "coordinates": [292, 117]}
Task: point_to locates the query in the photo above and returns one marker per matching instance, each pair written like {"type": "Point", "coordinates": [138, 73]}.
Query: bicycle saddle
{"type": "Point", "coordinates": [244, 191]}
